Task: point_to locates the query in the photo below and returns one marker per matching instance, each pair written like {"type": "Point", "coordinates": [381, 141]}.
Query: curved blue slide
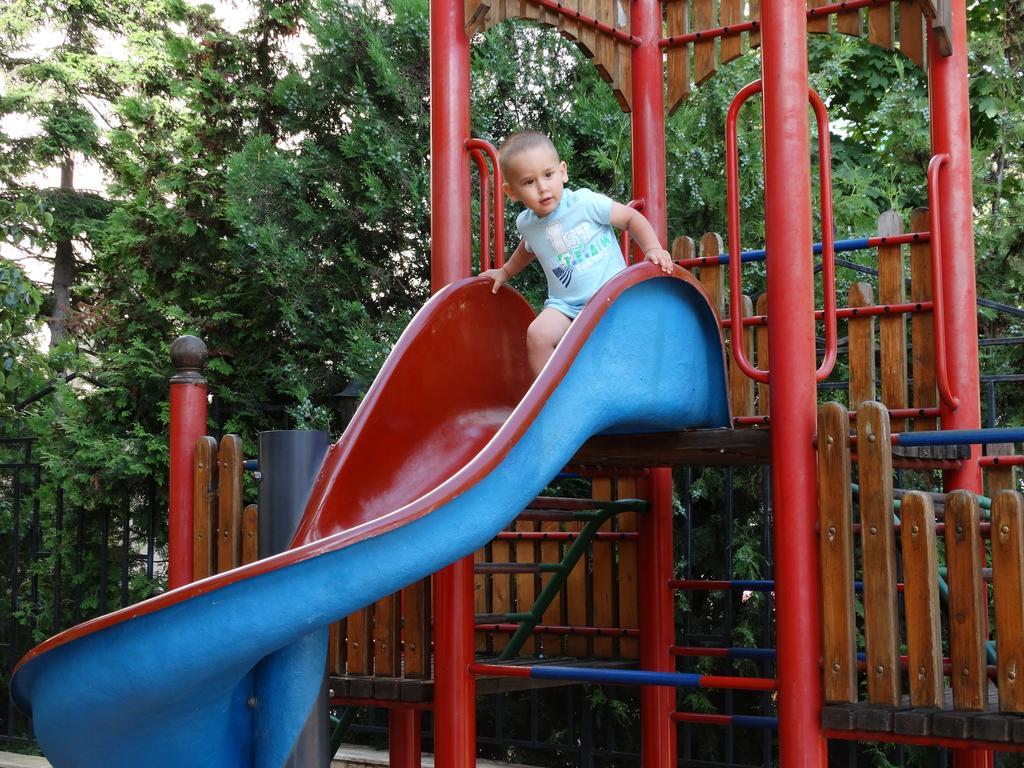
{"type": "Point", "coordinates": [449, 445]}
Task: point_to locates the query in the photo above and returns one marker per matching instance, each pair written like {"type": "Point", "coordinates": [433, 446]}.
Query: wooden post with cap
{"type": "Point", "coordinates": [188, 424]}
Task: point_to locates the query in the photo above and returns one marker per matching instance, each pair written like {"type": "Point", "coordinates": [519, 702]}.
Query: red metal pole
{"type": "Point", "coordinates": [951, 136]}
{"type": "Point", "coordinates": [449, 129]}
{"type": "Point", "coordinates": [657, 622]}
{"type": "Point", "coordinates": [455, 688]}
{"type": "Point", "coordinates": [404, 740]}
{"type": "Point", "coordinates": [188, 424]}
{"type": "Point", "coordinates": [792, 385]}
{"type": "Point", "coordinates": [657, 611]}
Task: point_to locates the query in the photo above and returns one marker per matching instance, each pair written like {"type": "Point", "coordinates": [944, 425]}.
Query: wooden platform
{"type": "Point", "coordinates": [725, 447]}
{"type": "Point", "coordinates": [986, 726]}
{"type": "Point", "coordinates": [696, 447]}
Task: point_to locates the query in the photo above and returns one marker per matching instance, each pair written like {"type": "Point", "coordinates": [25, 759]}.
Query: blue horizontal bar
{"type": "Point", "coordinates": [961, 436]}
{"type": "Point", "coordinates": [617, 676]}
{"type": "Point", "coordinates": [754, 721]}
{"type": "Point", "coordinates": [758, 254]}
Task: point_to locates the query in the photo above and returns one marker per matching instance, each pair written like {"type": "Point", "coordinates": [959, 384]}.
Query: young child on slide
{"type": "Point", "coordinates": [569, 231]}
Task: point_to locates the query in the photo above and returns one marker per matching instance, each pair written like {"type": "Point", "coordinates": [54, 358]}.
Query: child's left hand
{"type": "Point", "coordinates": [662, 258]}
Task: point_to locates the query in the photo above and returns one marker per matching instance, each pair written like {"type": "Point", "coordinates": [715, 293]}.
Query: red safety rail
{"type": "Point", "coordinates": [1001, 461]}
{"type": "Point", "coordinates": [477, 149]}
{"type": "Point", "coordinates": [935, 219]}
{"type": "Point", "coordinates": [627, 250]}
{"type": "Point", "coordinates": [894, 413]}
{"type": "Point", "coordinates": [827, 236]}
{"type": "Point", "coordinates": [731, 30]}
{"type": "Point", "coordinates": [847, 312]}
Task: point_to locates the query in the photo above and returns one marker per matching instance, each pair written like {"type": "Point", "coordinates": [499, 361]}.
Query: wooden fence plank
{"type": "Point", "coordinates": [921, 601]}
{"type": "Point", "coordinates": [416, 630]}
{"type": "Point", "coordinates": [703, 50]}
{"type": "Point", "coordinates": [587, 40]}
{"type": "Point", "coordinates": [604, 557]}
{"type": "Point", "coordinates": [850, 23]}
{"type": "Point", "coordinates": [551, 552]}
{"type": "Point", "coordinates": [250, 535]}
{"type": "Point", "coordinates": [386, 650]}
{"type": "Point", "coordinates": [677, 17]}
{"type": "Point", "coordinates": [683, 248]}
{"type": "Point", "coordinates": [836, 554]}
{"type": "Point", "coordinates": [335, 648]}
{"type": "Point", "coordinates": [569, 27]}
{"type": "Point", "coordinates": [912, 39]}
{"type": "Point", "coordinates": [892, 329]}
{"type": "Point", "coordinates": [818, 24]}
{"type": "Point", "coordinates": [628, 573]}
{"type": "Point", "coordinates": [741, 387]}
{"type": "Point", "coordinates": [880, 25]}
{"type": "Point", "coordinates": [967, 603]}
{"type": "Point", "coordinates": [1000, 477]}
{"type": "Point", "coordinates": [359, 651]}
{"type": "Point", "coordinates": [604, 59]}
{"type": "Point", "coordinates": [942, 27]}
{"type": "Point", "coordinates": [878, 552]}
{"type": "Point", "coordinates": [481, 592]}
{"type": "Point", "coordinates": [1008, 585]}
{"type": "Point", "coordinates": [501, 590]}
{"type": "Point", "coordinates": [763, 362]}
{"type": "Point", "coordinates": [861, 335]}
{"type": "Point", "coordinates": [526, 583]}
{"type": "Point", "coordinates": [731, 47]}
{"type": "Point", "coordinates": [712, 276]}
{"type": "Point", "coordinates": [754, 37]}
{"type": "Point", "coordinates": [922, 332]}
{"type": "Point", "coordinates": [576, 599]}
{"type": "Point", "coordinates": [229, 503]}
{"type": "Point", "coordinates": [622, 83]}
{"type": "Point", "coordinates": [204, 500]}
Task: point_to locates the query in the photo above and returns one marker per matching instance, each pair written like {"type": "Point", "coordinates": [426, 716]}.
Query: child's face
{"type": "Point", "coordinates": [536, 178]}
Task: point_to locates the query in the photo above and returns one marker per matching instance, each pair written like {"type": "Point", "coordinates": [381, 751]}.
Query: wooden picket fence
{"type": "Point", "coordinates": [225, 534]}
{"type": "Point", "coordinates": [384, 650]}
{"type": "Point", "coordinates": [944, 685]}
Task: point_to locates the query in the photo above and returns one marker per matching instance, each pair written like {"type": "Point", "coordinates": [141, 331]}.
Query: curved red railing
{"type": "Point", "coordinates": [477, 149]}
{"type": "Point", "coordinates": [938, 302]}
{"type": "Point", "coordinates": [732, 171]}
{"type": "Point", "coordinates": [627, 251]}
{"type": "Point", "coordinates": [828, 252]}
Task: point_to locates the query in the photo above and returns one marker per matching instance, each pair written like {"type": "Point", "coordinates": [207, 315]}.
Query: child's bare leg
{"type": "Point", "coordinates": [543, 335]}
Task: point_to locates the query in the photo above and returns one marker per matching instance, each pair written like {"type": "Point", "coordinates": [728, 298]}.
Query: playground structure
{"type": "Point", "coordinates": [382, 655]}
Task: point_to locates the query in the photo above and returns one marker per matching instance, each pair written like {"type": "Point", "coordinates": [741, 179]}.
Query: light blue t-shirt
{"type": "Point", "coordinates": [576, 246]}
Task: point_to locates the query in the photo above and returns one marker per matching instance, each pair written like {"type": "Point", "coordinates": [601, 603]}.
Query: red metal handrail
{"type": "Point", "coordinates": [827, 235]}
{"type": "Point", "coordinates": [938, 301]}
{"type": "Point", "coordinates": [627, 250]}
{"type": "Point", "coordinates": [477, 149]}
{"type": "Point", "coordinates": [828, 252]}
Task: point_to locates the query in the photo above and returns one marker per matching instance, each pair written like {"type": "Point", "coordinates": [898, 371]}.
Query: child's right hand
{"type": "Point", "coordinates": [499, 276]}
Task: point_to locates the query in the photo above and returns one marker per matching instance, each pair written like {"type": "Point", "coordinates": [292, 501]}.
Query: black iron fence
{"type": "Point", "coordinates": [64, 564]}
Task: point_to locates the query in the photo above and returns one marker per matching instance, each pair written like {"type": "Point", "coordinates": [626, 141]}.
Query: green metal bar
{"type": "Point", "coordinates": [552, 588]}
{"type": "Point", "coordinates": [341, 726]}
